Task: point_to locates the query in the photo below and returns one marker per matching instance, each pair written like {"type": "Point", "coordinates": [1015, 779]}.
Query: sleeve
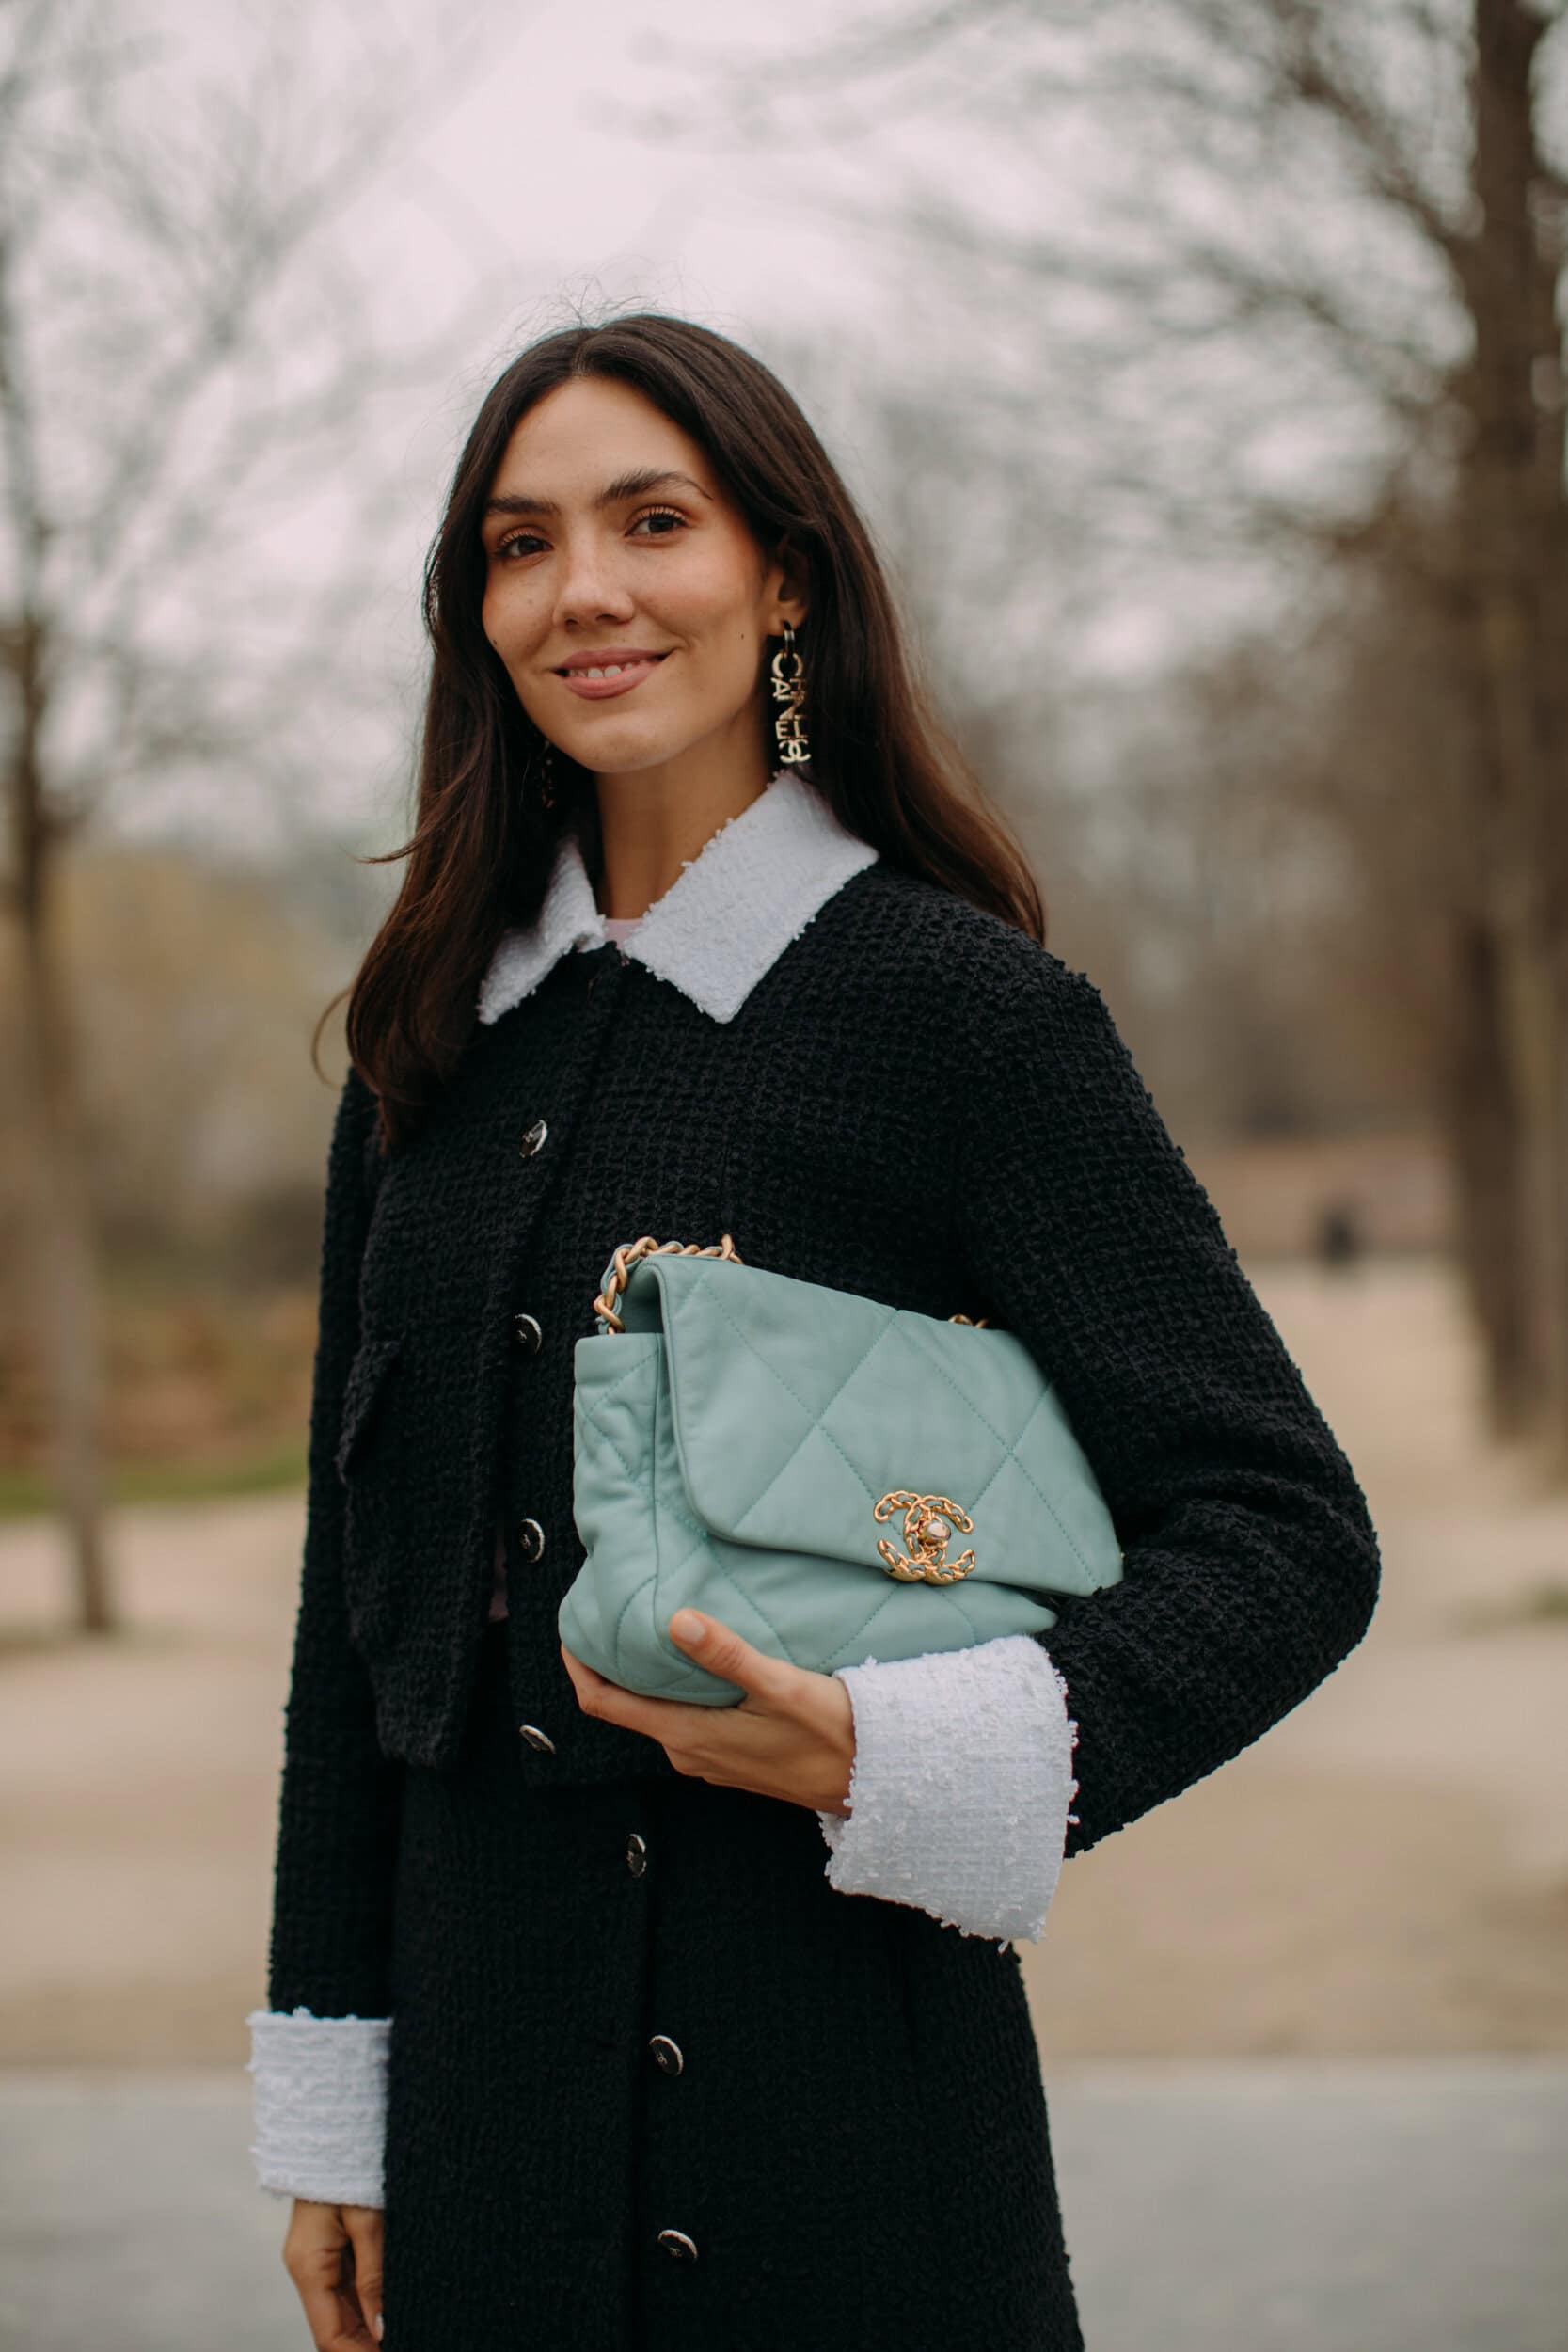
{"type": "Point", "coordinates": [1250, 1562]}
{"type": "Point", "coordinates": [318, 2050]}
{"type": "Point", "coordinates": [320, 2106]}
{"type": "Point", "coordinates": [960, 1788]}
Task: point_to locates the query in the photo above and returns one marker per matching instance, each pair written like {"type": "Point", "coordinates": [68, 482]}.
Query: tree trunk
{"type": "Point", "coordinates": [62, 1259]}
{"type": "Point", "coordinates": [1515, 535]}
{"type": "Point", "coordinates": [1480, 1121]}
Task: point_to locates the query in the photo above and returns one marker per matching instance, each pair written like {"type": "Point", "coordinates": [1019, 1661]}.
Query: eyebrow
{"type": "Point", "coordinates": [626, 485]}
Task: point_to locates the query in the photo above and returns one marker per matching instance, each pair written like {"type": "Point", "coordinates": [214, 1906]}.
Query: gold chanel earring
{"type": "Point", "coordinates": [547, 775]}
{"type": "Point", "coordinates": [789, 688]}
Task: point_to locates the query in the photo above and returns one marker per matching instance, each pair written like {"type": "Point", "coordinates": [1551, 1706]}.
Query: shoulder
{"type": "Point", "coordinates": [940, 959]}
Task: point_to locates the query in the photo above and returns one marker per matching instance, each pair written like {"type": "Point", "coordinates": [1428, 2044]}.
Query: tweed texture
{"type": "Point", "coordinates": [917, 1103]}
{"type": "Point", "coordinates": [960, 1760]}
{"type": "Point", "coordinates": [914, 1102]}
{"type": "Point", "coordinates": [321, 2106]}
{"type": "Point", "coordinates": [962, 1773]}
{"type": "Point", "coordinates": [857, 2139]}
{"type": "Point", "coordinates": [1251, 1560]}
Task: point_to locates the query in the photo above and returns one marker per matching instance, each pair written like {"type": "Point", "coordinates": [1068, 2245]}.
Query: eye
{"type": "Point", "coordinates": [653, 514]}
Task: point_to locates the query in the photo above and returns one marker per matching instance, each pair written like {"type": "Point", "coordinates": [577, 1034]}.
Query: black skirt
{"type": "Point", "coordinates": [656, 2087]}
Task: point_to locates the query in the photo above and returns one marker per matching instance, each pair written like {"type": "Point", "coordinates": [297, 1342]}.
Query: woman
{"type": "Point", "coordinates": [614, 2023]}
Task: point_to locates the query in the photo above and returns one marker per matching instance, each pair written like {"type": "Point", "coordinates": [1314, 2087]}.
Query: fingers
{"type": "Point", "coordinates": [790, 1737]}
{"type": "Point", "coordinates": [714, 1646]}
{"type": "Point", "coordinates": [719, 1649]}
{"type": "Point", "coordinates": [597, 1695]}
{"type": "Point", "coordinates": [364, 2226]}
{"type": "Point", "coordinates": [663, 1720]}
{"type": "Point", "coordinates": [316, 2255]}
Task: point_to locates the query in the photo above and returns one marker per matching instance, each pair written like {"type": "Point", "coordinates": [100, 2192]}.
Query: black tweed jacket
{"type": "Point", "coordinates": [914, 1102]}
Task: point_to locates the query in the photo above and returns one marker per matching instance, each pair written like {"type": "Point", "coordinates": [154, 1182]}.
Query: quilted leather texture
{"type": "Point", "coordinates": [730, 1444]}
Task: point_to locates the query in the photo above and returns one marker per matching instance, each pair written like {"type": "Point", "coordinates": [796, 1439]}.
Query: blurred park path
{"type": "Point", "coordinates": [1388, 1869]}
{"type": "Point", "coordinates": [1386, 1872]}
{"type": "Point", "coordinates": [1297, 2207]}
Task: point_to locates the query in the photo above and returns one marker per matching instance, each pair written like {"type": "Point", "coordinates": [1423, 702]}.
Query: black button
{"type": "Point", "coordinates": [537, 1739]}
{"type": "Point", "coordinates": [533, 1138]}
{"type": "Point", "coordinates": [667, 2054]}
{"type": "Point", "coordinates": [637, 1855]}
{"type": "Point", "coordinates": [528, 1334]}
{"type": "Point", "coordinates": [531, 1540]}
{"type": "Point", "coordinates": [676, 2242]}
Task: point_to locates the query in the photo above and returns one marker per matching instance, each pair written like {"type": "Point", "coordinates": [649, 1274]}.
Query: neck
{"type": "Point", "coordinates": [654, 821]}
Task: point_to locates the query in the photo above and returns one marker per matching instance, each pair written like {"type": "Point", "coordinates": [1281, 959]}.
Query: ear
{"type": "Point", "coordinates": [787, 589]}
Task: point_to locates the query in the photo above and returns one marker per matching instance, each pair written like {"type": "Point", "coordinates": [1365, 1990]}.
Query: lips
{"type": "Point", "coordinates": [610, 657]}
{"type": "Point", "coordinates": [633, 669]}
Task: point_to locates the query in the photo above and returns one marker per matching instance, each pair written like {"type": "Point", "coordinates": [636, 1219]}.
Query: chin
{"type": "Point", "coordinates": [616, 754]}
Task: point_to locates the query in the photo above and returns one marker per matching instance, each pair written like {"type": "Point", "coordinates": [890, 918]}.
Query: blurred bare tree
{"type": "Point", "coordinates": [183, 366]}
{"type": "Point", "coordinates": [1296, 266]}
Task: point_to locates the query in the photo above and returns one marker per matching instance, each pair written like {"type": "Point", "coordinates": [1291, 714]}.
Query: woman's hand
{"type": "Point", "coordinates": [333, 2255]}
{"type": "Point", "coordinates": [792, 1736]}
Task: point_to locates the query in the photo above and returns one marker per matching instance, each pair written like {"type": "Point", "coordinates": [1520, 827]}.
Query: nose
{"type": "Point", "coordinates": [591, 587]}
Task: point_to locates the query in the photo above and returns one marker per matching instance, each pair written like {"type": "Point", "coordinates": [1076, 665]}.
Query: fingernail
{"type": "Point", "coordinates": [687, 1625]}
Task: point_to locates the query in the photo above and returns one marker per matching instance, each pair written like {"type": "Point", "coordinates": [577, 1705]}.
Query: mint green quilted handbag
{"type": "Point", "coordinates": [837, 1479]}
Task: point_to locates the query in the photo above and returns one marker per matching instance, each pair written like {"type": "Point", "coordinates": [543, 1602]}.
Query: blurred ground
{"type": "Point", "coordinates": [1386, 1872]}
{"type": "Point", "coordinates": [1388, 1869]}
{"type": "Point", "coordinates": [1289, 2206]}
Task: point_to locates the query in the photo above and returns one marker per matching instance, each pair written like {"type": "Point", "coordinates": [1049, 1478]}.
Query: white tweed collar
{"type": "Point", "coordinates": [725, 919]}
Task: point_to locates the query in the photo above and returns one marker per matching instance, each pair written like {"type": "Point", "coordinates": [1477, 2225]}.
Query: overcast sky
{"type": "Point", "coordinates": [521, 169]}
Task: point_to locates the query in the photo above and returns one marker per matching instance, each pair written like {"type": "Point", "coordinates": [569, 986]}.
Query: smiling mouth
{"type": "Point", "coordinates": [609, 669]}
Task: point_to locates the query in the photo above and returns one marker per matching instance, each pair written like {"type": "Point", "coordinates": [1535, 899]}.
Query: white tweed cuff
{"type": "Point", "coordinates": [961, 1786]}
{"type": "Point", "coordinates": [320, 2105]}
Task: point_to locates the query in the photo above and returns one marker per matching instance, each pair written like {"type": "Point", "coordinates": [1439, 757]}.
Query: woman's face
{"type": "Point", "coordinates": [607, 534]}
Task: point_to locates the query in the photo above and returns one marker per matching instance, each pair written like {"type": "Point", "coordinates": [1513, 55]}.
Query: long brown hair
{"type": "Point", "coordinates": [483, 844]}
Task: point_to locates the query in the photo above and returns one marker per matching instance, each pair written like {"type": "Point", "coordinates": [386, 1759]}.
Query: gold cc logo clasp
{"type": "Point", "coordinates": [929, 1524]}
